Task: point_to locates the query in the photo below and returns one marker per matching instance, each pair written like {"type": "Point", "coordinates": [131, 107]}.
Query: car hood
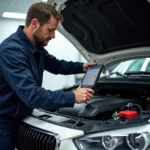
{"type": "Point", "coordinates": [106, 31]}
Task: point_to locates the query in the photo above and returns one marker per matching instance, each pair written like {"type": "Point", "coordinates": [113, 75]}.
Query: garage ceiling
{"type": "Point", "coordinates": [17, 6]}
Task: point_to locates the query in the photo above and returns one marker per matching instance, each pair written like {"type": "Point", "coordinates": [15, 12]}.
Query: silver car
{"type": "Point", "coordinates": [115, 33]}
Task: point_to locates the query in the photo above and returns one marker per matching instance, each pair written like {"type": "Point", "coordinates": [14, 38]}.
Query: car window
{"type": "Point", "coordinates": [134, 65]}
{"type": "Point", "coordinates": [148, 66]}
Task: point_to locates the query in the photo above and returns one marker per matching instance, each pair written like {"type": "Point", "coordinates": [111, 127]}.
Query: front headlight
{"type": "Point", "coordinates": [138, 141]}
{"type": "Point", "coordinates": [134, 141]}
{"type": "Point", "coordinates": [110, 143]}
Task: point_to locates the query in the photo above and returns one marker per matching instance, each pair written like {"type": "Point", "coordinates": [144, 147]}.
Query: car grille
{"type": "Point", "coordinates": [32, 138]}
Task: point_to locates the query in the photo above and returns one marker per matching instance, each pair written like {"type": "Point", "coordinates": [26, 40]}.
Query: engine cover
{"type": "Point", "coordinates": [97, 107]}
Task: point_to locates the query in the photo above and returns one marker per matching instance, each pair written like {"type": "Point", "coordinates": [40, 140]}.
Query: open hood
{"type": "Point", "coordinates": [106, 30]}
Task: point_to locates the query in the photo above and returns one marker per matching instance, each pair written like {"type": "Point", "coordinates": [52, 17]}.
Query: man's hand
{"type": "Point", "coordinates": [83, 95]}
{"type": "Point", "coordinates": [87, 65]}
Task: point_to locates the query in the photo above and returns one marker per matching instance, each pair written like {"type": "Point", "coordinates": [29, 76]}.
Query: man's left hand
{"type": "Point", "coordinates": [87, 65]}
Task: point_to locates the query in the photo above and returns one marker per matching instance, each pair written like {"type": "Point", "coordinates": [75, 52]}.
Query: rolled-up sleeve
{"type": "Point", "coordinates": [15, 69]}
{"type": "Point", "coordinates": [56, 66]}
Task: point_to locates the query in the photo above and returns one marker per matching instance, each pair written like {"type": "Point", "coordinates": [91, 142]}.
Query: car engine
{"type": "Point", "coordinates": [114, 105]}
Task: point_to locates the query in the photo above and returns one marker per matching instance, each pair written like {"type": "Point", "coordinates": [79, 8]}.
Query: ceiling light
{"type": "Point", "coordinates": [14, 15]}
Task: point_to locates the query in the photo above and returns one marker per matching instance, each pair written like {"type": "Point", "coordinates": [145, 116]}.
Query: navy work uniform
{"type": "Point", "coordinates": [21, 71]}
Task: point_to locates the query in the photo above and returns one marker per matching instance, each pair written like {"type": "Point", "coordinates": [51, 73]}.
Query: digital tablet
{"type": "Point", "coordinates": [91, 76]}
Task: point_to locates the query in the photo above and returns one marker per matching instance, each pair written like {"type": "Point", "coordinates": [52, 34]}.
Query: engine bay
{"type": "Point", "coordinates": [118, 105]}
{"type": "Point", "coordinates": [111, 98]}
{"type": "Point", "coordinates": [102, 108]}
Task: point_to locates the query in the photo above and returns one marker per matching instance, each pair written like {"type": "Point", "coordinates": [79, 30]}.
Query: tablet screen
{"type": "Point", "coordinates": [91, 76]}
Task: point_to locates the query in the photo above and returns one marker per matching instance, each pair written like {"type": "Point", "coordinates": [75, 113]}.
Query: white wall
{"type": "Point", "coordinates": [59, 47]}
{"type": "Point", "coordinates": [8, 26]}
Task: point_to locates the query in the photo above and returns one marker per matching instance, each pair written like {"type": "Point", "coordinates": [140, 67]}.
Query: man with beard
{"type": "Point", "coordinates": [22, 62]}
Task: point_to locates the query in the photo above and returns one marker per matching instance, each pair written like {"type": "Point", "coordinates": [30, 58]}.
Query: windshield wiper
{"type": "Point", "coordinates": [118, 73]}
{"type": "Point", "coordinates": [147, 72]}
{"type": "Point", "coordinates": [130, 73]}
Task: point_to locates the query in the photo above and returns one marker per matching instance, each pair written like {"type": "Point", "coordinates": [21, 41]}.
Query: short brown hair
{"type": "Point", "coordinates": [42, 11]}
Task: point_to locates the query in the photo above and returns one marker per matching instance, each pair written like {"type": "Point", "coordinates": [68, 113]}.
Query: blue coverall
{"type": "Point", "coordinates": [21, 71]}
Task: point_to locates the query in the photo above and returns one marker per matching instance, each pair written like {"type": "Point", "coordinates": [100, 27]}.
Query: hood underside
{"type": "Point", "coordinates": [98, 27]}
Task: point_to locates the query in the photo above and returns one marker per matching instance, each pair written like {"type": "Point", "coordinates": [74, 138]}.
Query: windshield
{"type": "Point", "coordinates": [132, 67]}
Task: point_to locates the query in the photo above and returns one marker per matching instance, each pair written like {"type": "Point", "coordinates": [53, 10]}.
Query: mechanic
{"type": "Point", "coordinates": [22, 62]}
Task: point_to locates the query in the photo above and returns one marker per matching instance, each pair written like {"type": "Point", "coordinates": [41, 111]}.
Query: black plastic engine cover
{"type": "Point", "coordinates": [101, 107]}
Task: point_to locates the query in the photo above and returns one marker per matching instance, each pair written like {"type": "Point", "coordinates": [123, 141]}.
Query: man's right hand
{"type": "Point", "coordinates": [83, 95]}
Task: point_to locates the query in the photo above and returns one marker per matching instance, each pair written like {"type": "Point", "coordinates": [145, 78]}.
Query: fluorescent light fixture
{"type": "Point", "coordinates": [14, 15]}
{"type": "Point", "coordinates": [44, 0]}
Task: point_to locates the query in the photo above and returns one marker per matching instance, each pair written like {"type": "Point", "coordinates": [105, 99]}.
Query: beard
{"type": "Point", "coordinates": [39, 40]}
